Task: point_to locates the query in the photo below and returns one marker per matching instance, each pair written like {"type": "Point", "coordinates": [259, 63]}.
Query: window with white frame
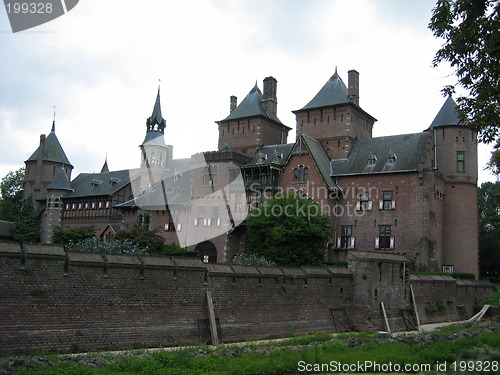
{"type": "Point", "coordinates": [346, 240]}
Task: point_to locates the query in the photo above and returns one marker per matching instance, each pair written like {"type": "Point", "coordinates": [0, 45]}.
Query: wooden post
{"type": "Point", "coordinates": [414, 303]}
{"type": "Point", "coordinates": [385, 318]}
{"type": "Point", "coordinates": [212, 322]}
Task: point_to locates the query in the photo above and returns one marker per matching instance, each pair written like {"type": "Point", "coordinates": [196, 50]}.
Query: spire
{"type": "Point", "coordinates": [105, 168]}
{"type": "Point", "coordinates": [53, 130]}
{"type": "Point", "coordinates": [156, 122]}
{"type": "Point", "coordinates": [333, 92]}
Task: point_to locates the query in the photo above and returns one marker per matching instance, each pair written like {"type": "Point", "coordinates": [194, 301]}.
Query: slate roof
{"type": "Point", "coordinates": [175, 187]}
{"type": "Point", "coordinates": [105, 167]}
{"type": "Point", "coordinates": [407, 148]}
{"type": "Point", "coordinates": [99, 184]}
{"type": "Point", "coordinates": [52, 150]}
{"type": "Point", "coordinates": [333, 92]}
{"type": "Point", "coordinates": [447, 115]}
{"type": "Point", "coordinates": [250, 106]}
{"type": "Point", "coordinates": [61, 182]}
{"type": "Point", "coordinates": [319, 155]}
{"type": "Point", "coordinates": [271, 154]}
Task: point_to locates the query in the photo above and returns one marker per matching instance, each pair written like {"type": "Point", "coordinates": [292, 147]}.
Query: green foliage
{"type": "Point", "coordinates": [243, 259]}
{"type": "Point", "coordinates": [489, 230]}
{"type": "Point", "coordinates": [65, 236]}
{"type": "Point", "coordinates": [26, 227]}
{"type": "Point", "coordinates": [144, 240]}
{"type": "Point", "coordinates": [316, 349]}
{"type": "Point", "coordinates": [470, 30]}
{"type": "Point", "coordinates": [11, 191]}
{"type": "Point", "coordinates": [437, 307]}
{"type": "Point", "coordinates": [289, 231]}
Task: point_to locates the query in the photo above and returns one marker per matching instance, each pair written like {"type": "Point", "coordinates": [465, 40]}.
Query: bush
{"type": "Point", "coordinates": [94, 245]}
{"type": "Point", "coordinates": [144, 240]}
{"type": "Point", "coordinates": [74, 235]}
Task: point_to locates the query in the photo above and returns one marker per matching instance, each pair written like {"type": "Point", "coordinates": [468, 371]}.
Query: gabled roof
{"type": "Point", "coordinates": [407, 150]}
{"type": "Point", "coordinates": [250, 106]}
{"type": "Point", "coordinates": [447, 115]}
{"type": "Point", "coordinates": [333, 92]}
{"type": "Point", "coordinates": [52, 150]}
{"type": "Point", "coordinates": [306, 144]}
{"type": "Point", "coordinates": [61, 182]}
{"type": "Point", "coordinates": [101, 184]}
{"type": "Point", "coordinates": [270, 154]}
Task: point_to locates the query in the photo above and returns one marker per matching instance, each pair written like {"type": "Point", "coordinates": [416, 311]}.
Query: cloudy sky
{"type": "Point", "coordinates": [100, 63]}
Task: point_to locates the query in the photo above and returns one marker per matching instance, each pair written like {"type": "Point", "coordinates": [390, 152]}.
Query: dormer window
{"type": "Point", "coordinates": [114, 180]}
{"type": "Point", "coordinates": [372, 159]}
{"type": "Point", "coordinates": [392, 158]}
{"type": "Point", "coordinates": [96, 182]}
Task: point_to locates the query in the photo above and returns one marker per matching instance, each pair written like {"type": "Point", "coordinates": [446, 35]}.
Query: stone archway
{"type": "Point", "coordinates": [207, 251]}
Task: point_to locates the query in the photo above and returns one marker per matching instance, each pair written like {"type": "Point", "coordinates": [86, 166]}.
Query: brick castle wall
{"type": "Point", "coordinates": [51, 300]}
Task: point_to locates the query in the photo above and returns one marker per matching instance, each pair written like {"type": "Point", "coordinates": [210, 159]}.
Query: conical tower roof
{"type": "Point", "coordinates": [52, 150]}
{"type": "Point", "coordinates": [333, 92]}
{"type": "Point", "coordinates": [447, 115]}
{"type": "Point", "coordinates": [105, 167]}
{"type": "Point", "coordinates": [61, 182]}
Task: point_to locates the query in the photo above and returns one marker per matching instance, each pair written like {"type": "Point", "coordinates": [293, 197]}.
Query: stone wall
{"type": "Point", "coordinates": [52, 300]}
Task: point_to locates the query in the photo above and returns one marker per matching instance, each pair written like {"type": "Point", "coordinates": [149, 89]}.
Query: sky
{"type": "Point", "coordinates": [100, 65]}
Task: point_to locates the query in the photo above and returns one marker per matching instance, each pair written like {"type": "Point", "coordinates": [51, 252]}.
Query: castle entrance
{"type": "Point", "coordinates": [207, 251]}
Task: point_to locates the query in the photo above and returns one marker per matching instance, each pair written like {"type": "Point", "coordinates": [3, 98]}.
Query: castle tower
{"type": "Point", "coordinates": [334, 116]}
{"type": "Point", "coordinates": [456, 160]}
{"type": "Point", "coordinates": [155, 154]}
{"type": "Point", "coordinates": [52, 215]}
{"type": "Point", "coordinates": [42, 167]}
{"type": "Point", "coordinates": [254, 122]}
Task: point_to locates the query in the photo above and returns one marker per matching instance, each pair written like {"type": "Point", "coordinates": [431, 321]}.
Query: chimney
{"type": "Point", "coordinates": [233, 103]}
{"type": "Point", "coordinates": [39, 164]}
{"type": "Point", "coordinates": [353, 90]}
{"type": "Point", "coordinates": [269, 100]}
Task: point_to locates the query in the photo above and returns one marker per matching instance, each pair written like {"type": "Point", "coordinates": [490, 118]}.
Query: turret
{"type": "Point", "coordinates": [455, 157]}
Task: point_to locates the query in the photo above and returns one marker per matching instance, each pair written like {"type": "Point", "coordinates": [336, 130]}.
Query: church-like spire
{"type": "Point", "coordinates": [53, 130]}
{"type": "Point", "coordinates": [156, 122]}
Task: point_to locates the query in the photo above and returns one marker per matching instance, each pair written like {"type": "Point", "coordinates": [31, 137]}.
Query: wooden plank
{"type": "Point", "coordinates": [414, 303]}
{"type": "Point", "coordinates": [211, 316]}
{"type": "Point", "coordinates": [388, 328]}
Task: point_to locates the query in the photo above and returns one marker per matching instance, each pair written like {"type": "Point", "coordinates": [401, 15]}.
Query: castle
{"type": "Point", "coordinates": [411, 194]}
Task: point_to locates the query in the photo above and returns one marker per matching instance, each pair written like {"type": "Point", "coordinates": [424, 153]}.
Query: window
{"type": "Point", "coordinates": [215, 220]}
{"type": "Point", "coordinates": [210, 176]}
{"type": "Point", "coordinates": [385, 241]}
{"type": "Point", "coordinates": [392, 158]}
{"type": "Point", "coordinates": [364, 203]}
{"type": "Point", "coordinates": [372, 159]}
{"type": "Point", "coordinates": [448, 268]}
{"type": "Point", "coordinates": [346, 240]}
{"type": "Point", "coordinates": [301, 174]}
{"type": "Point", "coordinates": [460, 161]}
{"type": "Point", "coordinates": [387, 203]}
{"type": "Point", "coordinates": [201, 216]}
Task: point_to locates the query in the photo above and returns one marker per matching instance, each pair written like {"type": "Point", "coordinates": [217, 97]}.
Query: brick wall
{"type": "Point", "coordinates": [51, 300]}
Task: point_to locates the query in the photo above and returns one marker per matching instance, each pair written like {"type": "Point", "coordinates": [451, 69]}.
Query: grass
{"type": "Point", "coordinates": [495, 299]}
{"type": "Point", "coordinates": [283, 358]}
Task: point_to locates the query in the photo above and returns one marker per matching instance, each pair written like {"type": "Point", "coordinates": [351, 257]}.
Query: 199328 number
{"type": "Point", "coordinates": [29, 8]}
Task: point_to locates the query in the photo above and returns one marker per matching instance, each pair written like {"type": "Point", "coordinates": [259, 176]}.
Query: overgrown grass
{"type": "Point", "coordinates": [283, 360]}
{"type": "Point", "coordinates": [495, 299]}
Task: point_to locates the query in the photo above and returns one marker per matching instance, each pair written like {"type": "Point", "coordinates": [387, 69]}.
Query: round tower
{"type": "Point", "coordinates": [456, 162]}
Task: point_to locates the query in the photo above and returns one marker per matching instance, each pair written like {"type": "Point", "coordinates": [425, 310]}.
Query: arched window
{"type": "Point", "coordinates": [392, 158]}
{"type": "Point", "coordinates": [301, 174]}
{"type": "Point", "coordinates": [372, 159]}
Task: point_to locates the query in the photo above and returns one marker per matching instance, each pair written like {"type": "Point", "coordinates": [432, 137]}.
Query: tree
{"type": "Point", "coordinates": [471, 30]}
{"type": "Point", "coordinates": [73, 235]}
{"type": "Point", "coordinates": [26, 227]}
{"type": "Point", "coordinates": [289, 231]}
{"type": "Point", "coordinates": [11, 190]}
{"type": "Point", "coordinates": [489, 230]}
